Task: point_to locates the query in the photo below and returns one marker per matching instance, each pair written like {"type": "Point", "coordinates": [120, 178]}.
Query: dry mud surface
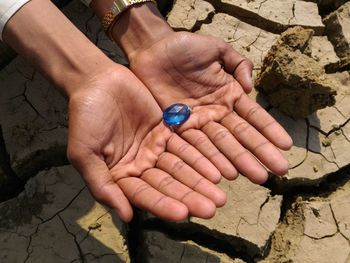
{"type": "Point", "coordinates": [302, 217]}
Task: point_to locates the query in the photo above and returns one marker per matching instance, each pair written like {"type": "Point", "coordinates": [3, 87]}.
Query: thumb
{"type": "Point", "coordinates": [101, 185]}
{"type": "Point", "coordinates": [239, 66]}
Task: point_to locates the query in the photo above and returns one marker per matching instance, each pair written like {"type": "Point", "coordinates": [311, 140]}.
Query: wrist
{"type": "Point", "coordinates": [137, 28]}
{"type": "Point", "coordinates": [78, 74]}
{"type": "Point", "coordinates": [40, 33]}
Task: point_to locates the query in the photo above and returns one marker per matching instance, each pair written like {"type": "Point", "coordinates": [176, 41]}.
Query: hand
{"type": "Point", "coordinates": [119, 144]}
{"type": "Point", "coordinates": [207, 74]}
{"type": "Point", "coordinates": [116, 137]}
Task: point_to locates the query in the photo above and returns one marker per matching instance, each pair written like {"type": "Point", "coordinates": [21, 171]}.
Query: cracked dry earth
{"type": "Point", "coordinates": [302, 217]}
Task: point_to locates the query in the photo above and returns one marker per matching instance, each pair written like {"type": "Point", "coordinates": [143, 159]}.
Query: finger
{"type": "Point", "coordinates": [174, 166]}
{"type": "Point", "coordinates": [144, 196]}
{"type": "Point", "coordinates": [240, 157]}
{"type": "Point", "coordinates": [197, 204]}
{"type": "Point", "coordinates": [239, 66]}
{"type": "Point", "coordinates": [201, 115]}
{"type": "Point", "coordinates": [201, 141]}
{"type": "Point", "coordinates": [253, 113]}
{"type": "Point", "coordinates": [256, 143]}
{"type": "Point", "coordinates": [193, 158]}
{"type": "Point", "coordinates": [99, 181]}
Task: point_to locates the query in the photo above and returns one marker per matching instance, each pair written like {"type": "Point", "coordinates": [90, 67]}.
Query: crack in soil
{"type": "Point", "coordinates": [262, 206]}
{"type": "Point", "coordinates": [96, 225]}
{"type": "Point", "coordinates": [74, 238]}
{"type": "Point", "coordinates": [261, 4]}
{"type": "Point", "coordinates": [293, 12]}
{"type": "Point", "coordinates": [337, 223]}
{"type": "Point", "coordinates": [254, 19]}
{"type": "Point", "coordinates": [202, 238]}
{"type": "Point", "coordinates": [232, 246]}
{"type": "Point", "coordinates": [25, 97]}
{"type": "Point", "coordinates": [57, 213]}
{"type": "Point", "coordinates": [333, 130]}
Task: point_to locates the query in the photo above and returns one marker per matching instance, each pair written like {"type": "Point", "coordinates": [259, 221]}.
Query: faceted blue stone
{"type": "Point", "coordinates": [176, 114]}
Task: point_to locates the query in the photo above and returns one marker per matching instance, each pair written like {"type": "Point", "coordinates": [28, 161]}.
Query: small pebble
{"type": "Point", "coordinates": [326, 142]}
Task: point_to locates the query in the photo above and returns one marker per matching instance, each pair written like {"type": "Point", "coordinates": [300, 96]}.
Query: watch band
{"type": "Point", "coordinates": [117, 8]}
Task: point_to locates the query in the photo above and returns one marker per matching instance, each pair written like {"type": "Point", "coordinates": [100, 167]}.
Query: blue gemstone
{"type": "Point", "coordinates": [176, 114]}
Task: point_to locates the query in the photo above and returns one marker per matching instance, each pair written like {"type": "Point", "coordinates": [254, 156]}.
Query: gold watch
{"type": "Point", "coordinates": [117, 8]}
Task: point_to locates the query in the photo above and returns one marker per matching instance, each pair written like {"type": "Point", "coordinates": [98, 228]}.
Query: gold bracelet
{"type": "Point", "coordinates": [117, 8]}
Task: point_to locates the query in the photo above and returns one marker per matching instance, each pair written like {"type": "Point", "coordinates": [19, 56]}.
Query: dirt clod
{"type": "Point", "coordinates": [292, 81]}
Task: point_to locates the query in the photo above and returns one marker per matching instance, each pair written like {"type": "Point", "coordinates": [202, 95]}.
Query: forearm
{"type": "Point", "coordinates": [137, 28]}
{"type": "Point", "coordinates": [40, 33]}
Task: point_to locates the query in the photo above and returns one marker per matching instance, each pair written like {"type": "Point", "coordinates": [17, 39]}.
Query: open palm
{"type": "Point", "coordinates": [126, 154]}
{"type": "Point", "coordinates": [226, 125]}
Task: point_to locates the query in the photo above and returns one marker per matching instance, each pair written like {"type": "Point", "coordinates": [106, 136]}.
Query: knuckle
{"type": "Point", "coordinates": [183, 147]}
{"type": "Point", "coordinates": [199, 181]}
{"type": "Point", "coordinates": [261, 146]}
{"type": "Point", "coordinates": [136, 195]}
{"type": "Point", "coordinates": [158, 203]}
{"type": "Point", "coordinates": [253, 111]}
{"type": "Point", "coordinates": [186, 195]}
{"type": "Point", "coordinates": [171, 139]}
{"type": "Point", "coordinates": [200, 141]}
{"type": "Point", "coordinates": [178, 165]}
{"type": "Point", "coordinates": [240, 154]}
{"type": "Point", "coordinates": [214, 154]}
{"type": "Point", "coordinates": [198, 161]}
{"type": "Point", "coordinates": [162, 157]}
{"type": "Point", "coordinates": [165, 182]}
{"type": "Point", "coordinates": [221, 135]}
{"type": "Point", "coordinates": [238, 98]}
{"type": "Point", "coordinates": [242, 127]}
{"type": "Point", "coordinates": [269, 124]}
{"type": "Point", "coordinates": [100, 193]}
